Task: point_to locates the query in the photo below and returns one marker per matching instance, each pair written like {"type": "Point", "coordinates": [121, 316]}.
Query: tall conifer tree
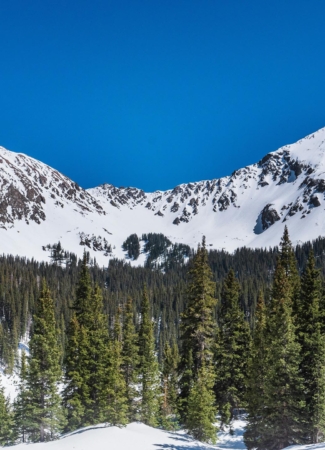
{"type": "Point", "coordinates": [116, 400]}
{"type": "Point", "coordinates": [311, 339]}
{"type": "Point", "coordinates": [130, 358]}
{"type": "Point", "coordinates": [232, 351]}
{"type": "Point", "coordinates": [148, 366]}
{"type": "Point", "coordinates": [282, 420]}
{"type": "Point", "coordinates": [6, 420]}
{"type": "Point", "coordinates": [169, 373]}
{"type": "Point", "coordinates": [201, 411]}
{"type": "Point", "coordinates": [86, 355]}
{"type": "Point", "coordinates": [257, 366]}
{"type": "Point", "coordinates": [22, 406]}
{"type": "Point", "coordinates": [44, 373]}
{"type": "Point", "coordinates": [289, 263]}
{"type": "Point", "coordinates": [198, 325]}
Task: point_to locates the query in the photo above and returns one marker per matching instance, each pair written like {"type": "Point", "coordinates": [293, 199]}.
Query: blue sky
{"type": "Point", "coordinates": [156, 93]}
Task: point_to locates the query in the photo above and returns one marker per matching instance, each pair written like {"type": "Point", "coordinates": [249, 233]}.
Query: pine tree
{"type": "Point", "coordinates": [6, 420]}
{"type": "Point", "coordinates": [311, 339]}
{"type": "Point", "coordinates": [257, 365]}
{"type": "Point", "coordinates": [116, 400]}
{"type": "Point", "coordinates": [198, 325]}
{"type": "Point", "coordinates": [98, 349]}
{"type": "Point", "coordinates": [233, 345]}
{"type": "Point", "coordinates": [44, 373]}
{"type": "Point", "coordinates": [284, 401]}
{"type": "Point", "coordinates": [169, 413]}
{"type": "Point", "coordinates": [86, 356]}
{"type": "Point", "coordinates": [76, 397]}
{"type": "Point", "coordinates": [148, 367]}
{"type": "Point", "coordinates": [201, 413]}
{"type": "Point", "coordinates": [22, 407]}
{"type": "Point", "coordinates": [130, 359]}
{"type": "Point", "coordinates": [289, 263]}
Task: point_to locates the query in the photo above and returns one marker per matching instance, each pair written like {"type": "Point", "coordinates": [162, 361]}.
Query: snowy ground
{"type": "Point", "coordinates": [137, 436]}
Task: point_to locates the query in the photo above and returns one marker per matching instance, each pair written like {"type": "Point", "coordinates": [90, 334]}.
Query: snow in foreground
{"type": "Point", "coordinates": [320, 446]}
{"type": "Point", "coordinates": [137, 436]}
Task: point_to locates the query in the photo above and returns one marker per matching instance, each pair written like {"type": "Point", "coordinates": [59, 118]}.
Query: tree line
{"type": "Point", "coordinates": [269, 362]}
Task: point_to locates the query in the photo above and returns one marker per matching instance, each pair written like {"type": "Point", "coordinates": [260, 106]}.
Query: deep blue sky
{"type": "Point", "coordinates": [153, 93]}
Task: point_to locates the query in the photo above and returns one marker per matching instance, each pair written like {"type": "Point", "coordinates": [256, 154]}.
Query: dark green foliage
{"type": "Point", "coordinates": [155, 245]}
{"type": "Point", "coordinates": [148, 367]}
{"type": "Point", "coordinates": [44, 373]}
{"type": "Point", "coordinates": [86, 355]}
{"type": "Point", "coordinates": [95, 362]}
{"type": "Point", "coordinates": [198, 324]}
{"type": "Point", "coordinates": [22, 407]}
{"type": "Point", "coordinates": [311, 340]}
{"type": "Point", "coordinates": [130, 359]}
{"type": "Point", "coordinates": [289, 264]}
{"type": "Point", "coordinates": [76, 393]}
{"type": "Point", "coordinates": [198, 338]}
{"type": "Point", "coordinates": [132, 246]}
{"type": "Point", "coordinates": [232, 351]}
{"type": "Point", "coordinates": [282, 419]}
{"type": "Point", "coordinates": [6, 420]}
{"type": "Point", "coordinates": [116, 410]}
{"type": "Point", "coordinates": [169, 375]}
{"type": "Point", "coordinates": [201, 414]}
{"type": "Point", "coordinates": [160, 248]}
{"type": "Point", "coordinates": [256, 379]}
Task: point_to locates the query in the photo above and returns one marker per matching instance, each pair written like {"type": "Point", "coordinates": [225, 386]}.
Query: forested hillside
{"type": "Point", "coordinates": [20, 281]}
{"type": "Point", "coordinates": [175, 346]}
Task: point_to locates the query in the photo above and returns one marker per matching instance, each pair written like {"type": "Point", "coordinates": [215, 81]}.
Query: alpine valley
{"type": "Point", "coordinates": [40, 207]}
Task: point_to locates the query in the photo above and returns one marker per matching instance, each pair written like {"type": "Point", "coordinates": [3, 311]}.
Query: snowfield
{"type": "Point", "coordinates": [136, 436]}
{"type": "Point", "coordinates": [40, 206]}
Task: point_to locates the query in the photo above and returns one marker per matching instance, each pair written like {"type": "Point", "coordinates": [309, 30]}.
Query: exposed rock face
{"type": "Point", "coordinates": [187, 200]}
{"type": "Point", "coordinates": [27, 185]}
{"type": "Point", "coordinates": [246, 208]}
{"type": "Point", "coordinates": [269, 216]}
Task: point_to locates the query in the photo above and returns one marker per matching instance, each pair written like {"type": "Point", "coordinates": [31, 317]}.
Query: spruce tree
{"type": "Point", "coordinates": [169, 373]}
{"type": "Point", "coordinates": [198, 325]}
{"type": "Point", "coordinates": [148, 367]}
{"type": "Point", "coordinates": [201, 414]}
{"type": "Point", "coordinates": [97, 353]}
{"type": "Point", "coordinates": [6, 420]}
{"type": "Point", "coordinates": [289, 263]}
{"type": "Point", "coordinates": [232, 351]}
{"type": "Point", "coordinates": [282, 419]}
{"type": "Point", "coordinates": [130, 359]}
{"type": "Point", "coordinates": [312, 342]}
{"type": "Point", "coordinates": [44, 373]}
{"type": "Point", "coordinates": [76, 397]}
{"type": "Point", "coordinates": [86, 356]}
{"type": "Point", "coordinates": [22, 407]}
{"type": "Point", "coordinates": [116, 399]}
{"type": "Point", "coordinates": [256, 379]}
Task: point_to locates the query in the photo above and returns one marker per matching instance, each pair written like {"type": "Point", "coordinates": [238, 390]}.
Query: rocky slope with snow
{"type": "Point", "coordinates": [40, 206]}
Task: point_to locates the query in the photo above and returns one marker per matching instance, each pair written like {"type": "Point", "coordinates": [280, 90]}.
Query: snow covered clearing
{"type": "Point", "coordinates": [137, 436]}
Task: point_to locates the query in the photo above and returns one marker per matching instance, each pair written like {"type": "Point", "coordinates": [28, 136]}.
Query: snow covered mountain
{"type": "Point", "coordinates": [40, 206]}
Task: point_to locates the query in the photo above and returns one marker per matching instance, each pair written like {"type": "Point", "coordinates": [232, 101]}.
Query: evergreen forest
{"type": "Point", "coordinates": [189, 341]}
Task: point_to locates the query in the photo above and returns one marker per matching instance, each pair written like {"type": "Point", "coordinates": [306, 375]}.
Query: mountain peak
{"type": "Point", "coordinates": [39, 206]}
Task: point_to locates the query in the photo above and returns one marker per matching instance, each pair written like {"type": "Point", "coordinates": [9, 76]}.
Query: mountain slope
{"type": "Point", "coordinates": [40, 206]}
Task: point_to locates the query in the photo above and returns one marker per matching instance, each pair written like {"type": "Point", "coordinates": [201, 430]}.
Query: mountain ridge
{"type": "Point", "coordinates": [41, 206]}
